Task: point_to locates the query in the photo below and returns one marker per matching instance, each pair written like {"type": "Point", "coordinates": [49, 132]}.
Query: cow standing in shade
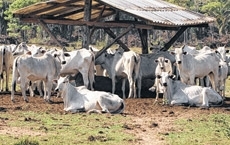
{"type": "Point", "coordinates": [124, 65]}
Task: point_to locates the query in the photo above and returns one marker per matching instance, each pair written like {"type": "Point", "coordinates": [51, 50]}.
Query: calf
{"type": "Point", "coordinates": [163, 65]}
{"type": "Point", "coordinates": [81, 99]}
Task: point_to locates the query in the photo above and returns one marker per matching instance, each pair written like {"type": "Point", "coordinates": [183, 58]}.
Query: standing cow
{"type": "Point", "coordinates": [27, 68]}
{"type": "Point", "coordinates": [123, 65]}
{"type": "Point", "coordinates": [82, 61]}
{"type": "Point", "coordinates": [198, 66]}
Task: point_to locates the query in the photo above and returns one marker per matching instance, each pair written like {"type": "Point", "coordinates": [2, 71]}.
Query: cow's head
{"type": "Point", "coordinates": [20, 49]}
{"type": "Point", "coordinates": [61, 82]}
{"type": "Point", "coordinates": [179, 52]}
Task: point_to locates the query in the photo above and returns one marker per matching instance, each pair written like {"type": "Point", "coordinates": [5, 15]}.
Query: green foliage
{"type": "Point", "coordinates": [15, 27]}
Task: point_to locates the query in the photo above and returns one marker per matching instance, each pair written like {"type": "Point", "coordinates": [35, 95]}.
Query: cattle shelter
{"type": "Point", "coordinates": [93, 14]}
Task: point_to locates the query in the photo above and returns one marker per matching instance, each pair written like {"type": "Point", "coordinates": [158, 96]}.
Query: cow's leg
{"type": "Point", "coordinates": [1, 82]}
{"type": "Point", "coordinates": [85, 79]}
{"type": "Point", "coordinates": [45, 90]}
{"type": "Point", "coordinates": [139, 86]}
{"type": "Point", "coordinates": [39, 88]}
{"type": "Point", "coordinates": [31, 89]}
{"type": "Point", "coordinates": [131, 87]}
{"type": "Point", "coordinates": [49, 89]}
{"type": "Point", "coordinates": [204, 98]}
{"type": "Point", "coordinates": [91, 75]}
{"type": "Point", "coordinates": [113, 84]}
{"type": "Point", "coordinates": [7, 79]}
{"type": "Point", "coordinates": [23, 88]}
{"type": "Point", "coordinates": [123, 88]}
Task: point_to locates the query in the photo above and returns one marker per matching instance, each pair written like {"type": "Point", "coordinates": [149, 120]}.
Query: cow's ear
{"type": "Point", "coordinates": [43, 51]}
{"type": "Point", "coordinates": [166, 60]}
{"type": "Point", "coordinates": [227, 51]}
{"type": "Point", "coordinates": [156, 60]}
{"type": "Point", "coordinates": [185, 53]}
{"type": "Point", "coordinates": [173, 77]}
{"type": "Point", "coordinates": [66, 54]}
{"type": "Point", "coordinates": [29, 53]}
{"type": "Point", "coordinates": [55, 81]}
{"type": "Point", "coordinates": [173, 53]}
{"type": "Point", "coordinates": [158, 76]}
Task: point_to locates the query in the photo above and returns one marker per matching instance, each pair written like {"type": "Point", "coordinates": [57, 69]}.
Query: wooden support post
{"type": "Point", "coordinates": [86, 29]}
{"type": "Point", "coordinates": [173, 39]}
{"type": "Point", "coordinates": [144, 40]}
{"type": "Point", "coordinates": [43, 24]}
{"type": "Point", "coordinates": [98, 19]}
{"type": "Point", "coordinates": [111, 34]}
{"type": "Point", "coordinates": [115, 40]}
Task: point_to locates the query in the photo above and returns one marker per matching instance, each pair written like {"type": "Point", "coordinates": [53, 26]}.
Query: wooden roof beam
{"type": "Point", "coordinates": [115, 40]}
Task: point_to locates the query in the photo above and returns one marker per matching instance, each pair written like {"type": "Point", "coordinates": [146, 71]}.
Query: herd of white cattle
{"type": "Point", "coordinates": [175, 73]}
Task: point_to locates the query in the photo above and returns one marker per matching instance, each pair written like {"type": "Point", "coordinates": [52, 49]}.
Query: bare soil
{"type": "Point", "coordinates": [148, 123]}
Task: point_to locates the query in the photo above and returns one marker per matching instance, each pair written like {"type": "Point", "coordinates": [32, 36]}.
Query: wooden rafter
{"type": "Point", "coordinates": [115, 40]}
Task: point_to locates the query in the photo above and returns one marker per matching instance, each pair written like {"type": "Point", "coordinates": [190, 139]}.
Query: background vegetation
{"type": "Point", "coordinates": [218, 33]}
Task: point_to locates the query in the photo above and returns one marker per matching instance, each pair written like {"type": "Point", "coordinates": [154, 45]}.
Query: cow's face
{"type": "Point", "coordinates": [61, 55]}
{"type": "Point", "coordinates": [222, 52]}
{"type": "Point", "coordinates": [61, 83]}
{"type": "Point", "coordinates": [179, 52]}
{"type": "Point", "coordinates": [20, 49]}
{"type": "Point", "coordinates": [103, 58]}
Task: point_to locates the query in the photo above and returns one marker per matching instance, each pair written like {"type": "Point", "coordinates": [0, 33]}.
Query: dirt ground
{"type": "Point", "coordinates": [147, 120]}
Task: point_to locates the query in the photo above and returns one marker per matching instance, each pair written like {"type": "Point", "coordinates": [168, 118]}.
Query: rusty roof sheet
{"type": "Point", "coordinates": [153, 12]}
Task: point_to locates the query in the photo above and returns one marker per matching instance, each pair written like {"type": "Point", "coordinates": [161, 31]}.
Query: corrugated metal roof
{"type": "Point", "coordinates": [153, 12]}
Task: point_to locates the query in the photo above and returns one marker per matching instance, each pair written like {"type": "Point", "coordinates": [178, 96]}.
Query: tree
{"type": "Point", "coordinates": [15, 27]}
{"type": "Point", "coordinates": [220, 9]}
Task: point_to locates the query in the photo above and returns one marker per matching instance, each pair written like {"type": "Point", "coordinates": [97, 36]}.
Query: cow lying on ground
{"type": "Point", "coordinates": [178, 93]}
{"type": "Point", "coordinates": [81, 99]}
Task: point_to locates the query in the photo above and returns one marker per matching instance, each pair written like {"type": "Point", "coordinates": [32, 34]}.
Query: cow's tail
{"type": "Point", "coordinates": [137, 72]}
{"type": "Point", "coordinates": [15, 74]}
{"type": "Point", "coordinates": [91, 73]}
{"type": "Point", "coordinates": [120, 109]}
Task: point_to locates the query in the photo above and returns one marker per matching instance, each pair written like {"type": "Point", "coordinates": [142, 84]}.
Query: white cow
{"type": "Point", "coordinates": [178, 93]}
{"type": "Point", "coordinates": [223, 51]}
{"type": "Point", "coordinates": [163, 65]}
{"type": "Point", "coordinates": [28, 68]}
{"type": "Point", "coordinates": [223, 75]}
{"type": "Point", "coordinates": [198, 66]}
{"type": "Point", "coordinates": [148, 65]}
{"type": "Point", "coordinates": [1, 67]}
{"type": "Point", "coordinates": [6, 59]}
{"type": "Point", "coordinates": [124, 65]}
{"type": "Point", "coordinates": [81, 99]}
{"type": "Point", "coordinates": [82, 61]}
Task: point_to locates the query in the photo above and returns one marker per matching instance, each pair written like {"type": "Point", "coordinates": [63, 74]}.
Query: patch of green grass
{"type": "Point", "coordinates": [67, 129]}
{"type": "Point", "coordinates": [27, 142]}
{"type": "Point", "coordinates": [212, 129]}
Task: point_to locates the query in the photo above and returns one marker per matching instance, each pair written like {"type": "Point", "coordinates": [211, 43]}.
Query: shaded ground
{"type": "Point", "coordinates": [148, 120]}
